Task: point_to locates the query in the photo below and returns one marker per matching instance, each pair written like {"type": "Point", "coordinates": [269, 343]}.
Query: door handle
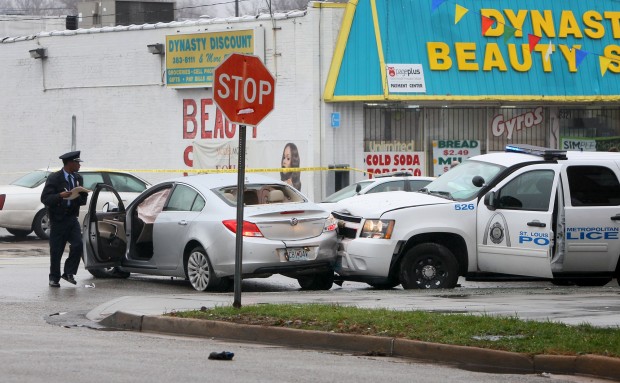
{"type": "Point", "coordinates": [183, 222]}
{"type": "Point", "coordinates": [616, 217]}
{"type": "Point", "coordinates": [537, 224]}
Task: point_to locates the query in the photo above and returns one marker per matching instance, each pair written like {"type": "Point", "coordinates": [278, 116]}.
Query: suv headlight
{"type": "Point", "coordinates": [378, 228]}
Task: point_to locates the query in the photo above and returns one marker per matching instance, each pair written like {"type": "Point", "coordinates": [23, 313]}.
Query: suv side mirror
{"type": "Point", "coordinates": [358, 188]}
{"type": "Point", "coordinates": [478, 181]}
{"type": "Point", "coordinates": [490, 200]}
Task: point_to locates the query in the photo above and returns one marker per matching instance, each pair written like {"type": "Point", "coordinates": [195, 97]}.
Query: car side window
{"type": "Point", "coordinates": [199, 203]}
{"type": "Point", "coordinates": [388, 186]}
{"type": "Point", "coordinates": [528, 191]}
{"type": "Point", "coordinates": [126, 183]}
{"type": "Point", "coordinates": [184, 198]}
{"type": "Point", "coordinates": [91, 179]}
{"type": "Point", "coordinates": [593, 186]}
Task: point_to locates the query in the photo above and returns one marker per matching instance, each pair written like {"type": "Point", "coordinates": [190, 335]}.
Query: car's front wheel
{"type": "Point", "coordinates": [199, 271]}
{"type": "Point", "coordinates": [41, 224]}
{"type": "Point", "coordinates": [19, 233]}
{"type": "Point", "coordinates": [429, 266]}
{"type": "Point", "coordinates": [322, 281]}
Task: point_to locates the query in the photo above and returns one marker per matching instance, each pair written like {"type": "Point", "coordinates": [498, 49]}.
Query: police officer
{"type": "Point", "coordinates": [63, 213]}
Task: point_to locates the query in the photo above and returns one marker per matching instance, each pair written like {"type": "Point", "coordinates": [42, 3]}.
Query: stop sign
{"type": "Point", "coordinates": [244, 89]}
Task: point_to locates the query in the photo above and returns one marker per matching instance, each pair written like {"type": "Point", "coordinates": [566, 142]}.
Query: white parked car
{"type": "Point", "coordinates": [22, 212]}
{"type": "Point", "coordinates": [529, 211]}
{"type": "Point", "coordinates": [186, 228]}
{"type": "Point", "coordinates": [378, 184]}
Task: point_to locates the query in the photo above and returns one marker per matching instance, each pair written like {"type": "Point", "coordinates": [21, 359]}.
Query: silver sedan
{"type": "Point", "coordinates": [186, 227]}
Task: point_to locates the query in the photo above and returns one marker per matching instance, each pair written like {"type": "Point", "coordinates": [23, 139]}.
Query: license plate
{"type": "Point", "coordinates": [297, 254]}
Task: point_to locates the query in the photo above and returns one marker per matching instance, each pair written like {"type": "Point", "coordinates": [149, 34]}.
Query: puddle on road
{"type": "Point", "coordinates": [75, 319]}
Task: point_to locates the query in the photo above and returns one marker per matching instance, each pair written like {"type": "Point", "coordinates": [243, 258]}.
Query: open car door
{"type": "Point", "coordinates": [104, 236]}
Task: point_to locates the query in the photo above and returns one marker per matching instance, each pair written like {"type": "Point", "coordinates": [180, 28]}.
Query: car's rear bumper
{"type": "Point", "coordinates": [262, 256]}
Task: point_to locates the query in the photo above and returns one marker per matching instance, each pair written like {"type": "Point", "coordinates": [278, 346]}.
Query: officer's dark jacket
{"type": "Point", "coordinates": [56, 205]}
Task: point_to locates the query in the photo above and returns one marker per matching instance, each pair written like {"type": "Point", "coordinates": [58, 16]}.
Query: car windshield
{"type": "Point", "coordinates": [260, 194]}
{"type": "Point", "coordinates": [458, 184]}
{"type": "Point", "coordinates": [31, 180]}
{"type": "Point", "coordinates": [347, 192]}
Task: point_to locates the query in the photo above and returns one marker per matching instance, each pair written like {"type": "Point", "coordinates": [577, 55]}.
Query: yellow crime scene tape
{"type": "Point", "coordinates": [247, 170]}
{"type": "Point", "coordinates": [215, 171]}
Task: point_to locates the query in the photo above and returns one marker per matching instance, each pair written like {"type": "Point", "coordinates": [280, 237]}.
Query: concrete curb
{"type": "Point", "coordinates": [470, 358]}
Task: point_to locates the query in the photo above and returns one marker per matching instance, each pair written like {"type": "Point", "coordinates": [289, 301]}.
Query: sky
{"type": "Point", "coordinates": [186, 8]}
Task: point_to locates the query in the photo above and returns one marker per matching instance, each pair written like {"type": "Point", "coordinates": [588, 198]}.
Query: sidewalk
{"type": "Point", "coordinates": [144, 314]}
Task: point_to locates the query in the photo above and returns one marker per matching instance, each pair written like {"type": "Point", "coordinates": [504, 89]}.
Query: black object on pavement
{"type": "Point", "coordinates": [224, 355]}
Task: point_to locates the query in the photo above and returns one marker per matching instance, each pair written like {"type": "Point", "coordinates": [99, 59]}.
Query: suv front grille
{"type": "Point", "coordinates": [348, 225]}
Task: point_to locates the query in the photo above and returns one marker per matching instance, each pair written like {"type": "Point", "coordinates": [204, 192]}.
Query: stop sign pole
{"type": "Point", "coordinates": [244, 90]}
{"type": "Point", "coordinates": [240, 203]}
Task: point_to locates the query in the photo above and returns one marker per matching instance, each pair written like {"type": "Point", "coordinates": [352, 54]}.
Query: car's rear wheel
{"type": "Point", "coordinates": [199, 271]}
{"type": "Point", "coordinates": [109, 272]}
{"type": "Point", "coordinates": [19, 233]}
{"type": "Point", "coordinates": [429, 266]}
{"type": "Point", "coordinates": [41, 224]}
{"type": "Point", "coordinates": [321, 281]}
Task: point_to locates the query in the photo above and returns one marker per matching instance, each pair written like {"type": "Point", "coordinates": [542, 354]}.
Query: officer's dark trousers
{"type": "Point", "coordinates": [65, 230]}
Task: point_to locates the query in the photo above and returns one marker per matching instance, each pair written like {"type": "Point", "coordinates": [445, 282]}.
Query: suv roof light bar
{"type": "Point", "coordinates": [547, 153]}
{"type": "Point", "coordinates": [393, 174]}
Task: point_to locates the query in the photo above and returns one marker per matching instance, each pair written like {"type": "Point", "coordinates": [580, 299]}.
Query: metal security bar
{"type": "Point", "coordinates": [384, 125]}
{"type": "Point", "coordinates": [589, 122]}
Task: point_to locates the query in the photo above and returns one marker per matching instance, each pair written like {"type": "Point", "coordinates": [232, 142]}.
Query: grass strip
{"type": "Point", "coordinates": [484, 331]}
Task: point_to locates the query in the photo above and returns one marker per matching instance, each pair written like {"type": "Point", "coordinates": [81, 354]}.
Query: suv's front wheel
{"type": "Point", "coordinates": [429, 266]}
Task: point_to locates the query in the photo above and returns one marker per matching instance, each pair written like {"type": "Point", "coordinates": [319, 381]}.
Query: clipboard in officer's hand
{"type": "Point", "coordinates": [75, 192]}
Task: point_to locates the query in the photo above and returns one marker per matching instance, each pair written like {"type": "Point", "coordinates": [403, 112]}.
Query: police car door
{"type": "Point", "coordinates": [592, 217]}
{"type": "Point", "coordinates": [515, 223]}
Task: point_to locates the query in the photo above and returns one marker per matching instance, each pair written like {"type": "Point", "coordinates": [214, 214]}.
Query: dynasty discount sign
{"type": "Point", "coordinates": [191, 58]}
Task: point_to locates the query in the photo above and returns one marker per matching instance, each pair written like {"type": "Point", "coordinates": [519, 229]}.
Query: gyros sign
{"type": "Point", "coordinates": [500, 126]}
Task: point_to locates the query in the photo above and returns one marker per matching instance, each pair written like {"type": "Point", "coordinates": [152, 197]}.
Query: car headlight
{"type": "Point", "coordinates": [378, 228]}
{"type": "Point", "coordinates": [330, 224]}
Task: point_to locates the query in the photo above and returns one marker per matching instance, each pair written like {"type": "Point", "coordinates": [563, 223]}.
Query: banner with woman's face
{"type": "Point", "coordinates": [260, 154]}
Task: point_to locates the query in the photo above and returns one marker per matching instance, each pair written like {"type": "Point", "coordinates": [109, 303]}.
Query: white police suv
{"type": "Point", "coordinates": [528, 211]}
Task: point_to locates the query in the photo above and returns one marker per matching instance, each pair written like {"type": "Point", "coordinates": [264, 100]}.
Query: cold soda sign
{"type": "Point", "coordinates": [390, 162]}
{"type": "Point", "coordinates": [244, 89]}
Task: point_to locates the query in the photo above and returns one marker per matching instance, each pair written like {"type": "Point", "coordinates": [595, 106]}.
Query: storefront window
{"type": "Point", "coordinates": [589, 129]}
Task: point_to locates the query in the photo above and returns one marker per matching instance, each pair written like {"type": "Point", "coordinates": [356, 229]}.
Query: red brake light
{"type": "Point", "coordinates": [2, 199]}
{"type": "Point", "coordinates": [249, 228]}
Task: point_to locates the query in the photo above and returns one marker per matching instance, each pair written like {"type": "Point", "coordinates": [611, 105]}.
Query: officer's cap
{"type": "Point", "coordinates": [71, 156]}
